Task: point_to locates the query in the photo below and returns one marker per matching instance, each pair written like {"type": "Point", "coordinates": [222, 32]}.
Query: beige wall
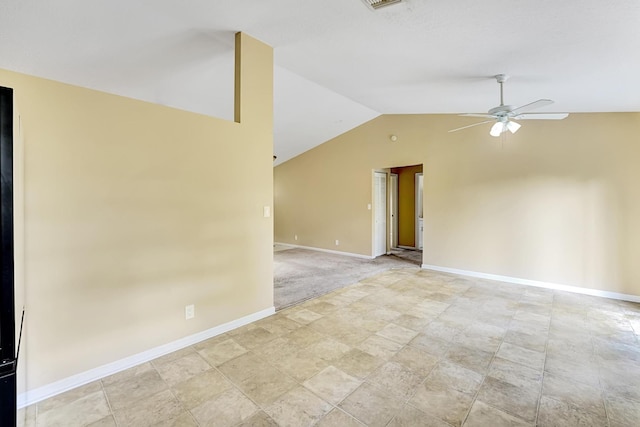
{"type": "Point", "coordinates": [133, 211]}
{"type": "Point", "coordinates": [557, 202]}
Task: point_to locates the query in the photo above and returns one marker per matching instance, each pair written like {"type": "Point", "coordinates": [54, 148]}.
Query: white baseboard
{"type": "Point", "coordinates": [536, 283]}
{"type": "Point", "coordinates": [41, 393]}
{"type": "Point", "coordinates": [326, 250]}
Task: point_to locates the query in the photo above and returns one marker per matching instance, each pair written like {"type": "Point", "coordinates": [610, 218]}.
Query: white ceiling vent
{"type": "Point", "coordinates": [377, 4]}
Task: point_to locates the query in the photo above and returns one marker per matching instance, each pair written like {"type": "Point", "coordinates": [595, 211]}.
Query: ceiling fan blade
{"type": "Point", "coordinates": [486, 116]}
{"type": "Point", "coordinates": [470, 126]}
{"type": "Point", "coordinates": [542, 116]}
{"type": "Point", "coordinates": [532, 106]}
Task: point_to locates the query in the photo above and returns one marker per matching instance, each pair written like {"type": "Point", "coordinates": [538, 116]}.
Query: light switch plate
{"type": "Point", "coordinates": [189, 311]}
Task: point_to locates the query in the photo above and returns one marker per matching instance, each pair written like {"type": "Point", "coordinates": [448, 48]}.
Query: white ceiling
{"type": "Point", "coordinates": [338, 64]}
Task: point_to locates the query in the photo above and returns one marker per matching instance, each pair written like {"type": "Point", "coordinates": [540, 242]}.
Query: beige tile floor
{"type": "Point", "coordinates": [404, 348]}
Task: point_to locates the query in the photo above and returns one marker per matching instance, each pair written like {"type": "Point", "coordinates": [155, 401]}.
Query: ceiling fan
{"type": "Point", "coordinates": [504, 115]}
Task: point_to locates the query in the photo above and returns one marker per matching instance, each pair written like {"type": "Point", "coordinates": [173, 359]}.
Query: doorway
{"type": "Point", "coordinates": [398, 213]}
{"type": "Point", "coordinates": [409, 206]}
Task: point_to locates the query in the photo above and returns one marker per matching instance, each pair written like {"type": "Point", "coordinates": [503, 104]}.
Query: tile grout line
{"type": "Point", "coordinates": [495, 354]}
{"type": "Point", "coordinates": [484, 377]}
{"type": "Point", "coordinates": [237, 387]}
{"type": "Point", "coordinates": [106, 397]}
{"type": "Point", "coordinates": [264, 360]}
{"type": "Point", "coordinates": [439, 361]}
{"type": "Point", "coordinates": [406, 345]}
{"type": "Point", "coordinates": [233, 384]}
{"type": "Point", "coordinates": [309, 325]}
{"type": "Point", "coordinates": [364, 379]}
{"type": "Point", "coordinates": [600, 387]}
{"type": "Point", "coordinates": [171, 389]}
{"type": "Point", "coordinates": [544, 363]}
{"type": "Point", "coordinates": [602, 390]}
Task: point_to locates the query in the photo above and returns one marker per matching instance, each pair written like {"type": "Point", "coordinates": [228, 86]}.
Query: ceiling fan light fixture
{"type": "Point", "coordinates": [513, 126]}
{"type": "Point", "coordinates": [497, 129]}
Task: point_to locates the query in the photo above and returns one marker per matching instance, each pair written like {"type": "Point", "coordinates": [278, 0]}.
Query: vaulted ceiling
{"type": "Point", "coordinates": [338, 63]}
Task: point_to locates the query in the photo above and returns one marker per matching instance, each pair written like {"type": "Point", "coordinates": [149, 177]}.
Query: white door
{"type": "Point", "coordinates": [393, 207]}
{"type": "Point", "coordinates": [380, 214]}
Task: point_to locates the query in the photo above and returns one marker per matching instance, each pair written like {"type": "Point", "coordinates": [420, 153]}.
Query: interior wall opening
{"type": "Point", "coordinates": [409, 206]}
{"type": "Point", "coordinates": [398, 212]}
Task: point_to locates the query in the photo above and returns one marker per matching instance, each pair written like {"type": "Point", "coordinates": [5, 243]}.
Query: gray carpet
{"type": "Point", "coordinates": [411, 255]}
{"type": "Point", "coordinates": [301, 274]}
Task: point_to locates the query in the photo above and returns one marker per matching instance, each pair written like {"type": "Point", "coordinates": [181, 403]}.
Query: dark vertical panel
{"type": "Point", "coordinates": [7, 309]}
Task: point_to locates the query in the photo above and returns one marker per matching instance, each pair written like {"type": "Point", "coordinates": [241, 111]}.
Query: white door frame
{"type": "Point", "coordinates": [393, 210]}
{"type": "Point", "coordinates": [419, 202]}
{"type": "Point", "coordinates": [379, 214]}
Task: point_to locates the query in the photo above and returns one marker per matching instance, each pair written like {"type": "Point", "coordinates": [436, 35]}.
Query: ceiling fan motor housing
{"type": "Point", "coordinates": [501, 111]}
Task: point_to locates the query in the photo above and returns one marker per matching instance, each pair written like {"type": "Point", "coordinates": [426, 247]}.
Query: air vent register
{"type": "Point", "coordinates": [377, 4]}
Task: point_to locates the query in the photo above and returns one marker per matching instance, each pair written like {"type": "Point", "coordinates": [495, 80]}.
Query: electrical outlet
{"type": "Point", "coordinates": [190, 312]}
{"type": "Point", "coordinates": [337, 242]}
{"type": "Point", "coordinates": [295, 237]}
